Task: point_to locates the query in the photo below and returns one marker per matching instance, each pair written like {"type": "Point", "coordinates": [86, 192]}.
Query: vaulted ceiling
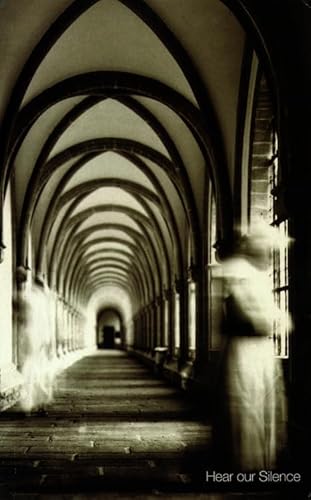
{"type": "Point", "coordinates": [115, 114]}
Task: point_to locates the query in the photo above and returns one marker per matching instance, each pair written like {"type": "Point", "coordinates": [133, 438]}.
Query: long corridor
{"type": "Point", "coordinates": [155, 198]}
{"type": "Point", "coordinates": [114, 430]}
{"type": "Point", "coordinates": [113, 427]}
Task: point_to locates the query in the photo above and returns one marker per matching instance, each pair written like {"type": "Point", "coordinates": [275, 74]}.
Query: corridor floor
{"type": "Point", "coordinates": [114, 430]}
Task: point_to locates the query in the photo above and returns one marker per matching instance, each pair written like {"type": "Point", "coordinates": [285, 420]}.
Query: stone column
{"type": "Point", "coordinates": [171, 321]}
{"type": "Point", "coordinates": [168, 319]}
{"type": "Point", "coordinates": [150, 327]}
{"type": "Point", "coordinates": [146, 323]}
{"type": "Point", "coordinates": [154, 325]}
{"type": "Point", "coordinates": [159, 314]}
{"type": "Point", "coordinates": [181, 288]}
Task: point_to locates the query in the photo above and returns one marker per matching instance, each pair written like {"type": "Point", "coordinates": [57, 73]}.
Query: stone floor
{"type": "Point", "coordinates": [114, 430]}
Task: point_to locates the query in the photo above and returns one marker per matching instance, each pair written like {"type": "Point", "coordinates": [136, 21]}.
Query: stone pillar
{"type": "Point", "coordinates": [80, 326]}
{"type": "Point", "coordinates": [154, 327]}
{"type": "Point", "coordinates": [75, 330]}
{"type": "Point", "coordinates": [142, 329]}
{"type": "Point", "coordinates": [145, 329]}
{"type": "Point", "coordinates": [193, 322]}
{"type": "Point", "coordinates": [139, 339]}
{"type": "Point", "coordinates": [69, 327]}
{"type": "Point", "coordinates": [170, 297]}
{"type": "Point", "coordinates": [66, 326]}
{"type": "Point", "coordinates": [134, 332]}
{"type": "Point", "coordinates": [149, 327]}
{"type": "Point", "coordinates": [60, 332]}
{"type": "Point", "coordinates": [159, 314]}
{"type": "Point", "coordinates": [176, 341]}
{"type": "Point", "coordinates": [167, 315]}
{"type": "Point", "coordinates": [182, 290]}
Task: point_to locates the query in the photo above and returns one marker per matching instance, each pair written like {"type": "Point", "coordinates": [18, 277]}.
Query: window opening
{"type": "Point", "coordinates": [263, 203]}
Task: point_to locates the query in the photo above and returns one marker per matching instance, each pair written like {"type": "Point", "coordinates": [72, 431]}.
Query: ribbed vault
{"type": "Point", "coordinates": [114, 127]}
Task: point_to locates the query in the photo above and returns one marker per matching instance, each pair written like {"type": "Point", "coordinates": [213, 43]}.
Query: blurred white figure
{"type": "Point", "coordinates": [253, 413]}
{"type": "Point", "coordinates": [36, 351]}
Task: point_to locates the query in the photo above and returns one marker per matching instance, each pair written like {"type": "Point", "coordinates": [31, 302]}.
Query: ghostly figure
{"type": "Point", "coordinates": [251, 414]}
{"type": "Point", "coordinates": [35, 350]}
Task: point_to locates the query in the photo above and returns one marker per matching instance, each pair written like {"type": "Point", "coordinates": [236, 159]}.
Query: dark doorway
{"type": "Point", "coordinates": [108, 337]}
{"type": "Point", "coordinates": [109, 329]}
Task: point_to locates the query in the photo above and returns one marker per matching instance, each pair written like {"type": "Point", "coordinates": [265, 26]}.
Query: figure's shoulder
{"type": "Point", "coordinates": [237, 268]}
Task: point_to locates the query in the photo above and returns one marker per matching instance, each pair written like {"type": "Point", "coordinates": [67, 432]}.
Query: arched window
{"type": "Point", "coordinates": [265, 202]}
